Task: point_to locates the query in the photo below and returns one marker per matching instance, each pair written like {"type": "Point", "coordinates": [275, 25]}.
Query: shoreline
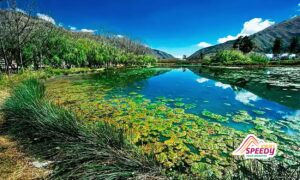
{"type": "Point", "coordinates": [225, 66]}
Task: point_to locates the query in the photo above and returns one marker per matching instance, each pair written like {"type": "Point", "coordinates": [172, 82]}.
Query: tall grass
{"type": "Point", "coordinates": [78, 150]}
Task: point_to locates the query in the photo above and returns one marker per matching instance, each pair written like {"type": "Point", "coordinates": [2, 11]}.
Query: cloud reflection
{"type": "Point", "coordinates": [221, 85]}
{"type": "Point", "coordinates": [246, 96]}
{"type": "Point", "coordinates": [293, 117]}
{"type": "Point", "coordinates": [202, 80]}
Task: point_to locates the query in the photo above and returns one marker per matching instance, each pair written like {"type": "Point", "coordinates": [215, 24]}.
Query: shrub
{"type": "Point", "coordinates": [257, 58]}
{"type": "Point", "coordinates": [206, 60]}
{"type": "Point", "coordinates": [231, 57]}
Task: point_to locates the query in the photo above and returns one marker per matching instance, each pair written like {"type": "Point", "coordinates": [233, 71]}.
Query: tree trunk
{"type": "Point", "coordinates": [5, 58]}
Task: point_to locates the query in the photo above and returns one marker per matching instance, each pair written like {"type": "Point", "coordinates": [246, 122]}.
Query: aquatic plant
{"type": "Point", "coordinates": [179, 141]}
{"type": "Point", "coordinates": [241, 116]}
{"type": "Point", "coordinates": [259, 112]}
{"type": "Point", "coordinates": [214, 116]}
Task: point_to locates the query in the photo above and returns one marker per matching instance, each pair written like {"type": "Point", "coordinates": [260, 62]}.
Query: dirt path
{"type": "Point", "coordinates": [14, 164]}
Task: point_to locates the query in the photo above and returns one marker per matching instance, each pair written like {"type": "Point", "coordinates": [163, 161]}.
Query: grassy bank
{"type": "Point", "coordinates": [238, 58]}
{"type": "Point", "coordinates": [76, 150]}
{"type": "Point", "coordinates": [10, 80]}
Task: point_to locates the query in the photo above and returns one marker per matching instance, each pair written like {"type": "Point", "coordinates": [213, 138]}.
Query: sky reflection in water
{"type": "Point", "coordinates": [211, 95]}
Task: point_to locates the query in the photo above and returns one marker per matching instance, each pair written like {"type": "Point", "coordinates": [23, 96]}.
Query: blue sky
{"type": "Point", "coordinates": [175, 26]}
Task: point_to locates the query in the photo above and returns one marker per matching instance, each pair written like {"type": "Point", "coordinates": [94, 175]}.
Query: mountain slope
{"type": "Point", "coordinates": [124, 43]}
{"type": "Point", "coordinates": [263, 40]}
{"type": "Point", "coordinates": [161, 55]}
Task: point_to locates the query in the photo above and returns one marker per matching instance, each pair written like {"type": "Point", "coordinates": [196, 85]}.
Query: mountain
{"type": "Point", "coordinates": [135, 46]}
{"type": "Point", "coordinates": [162, 55]}
{"type": "Point", "coordinates": [263, 40]}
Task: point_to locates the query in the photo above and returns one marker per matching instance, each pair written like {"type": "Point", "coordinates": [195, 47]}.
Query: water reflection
{"type": "Point", "coordinates": [223, 86]}
{"type": "Point", "coordinates": [281, 85]}
{"type": "Point", "coordinates": [246, 96]}
{"type": "Point", "coordinates": [202, 80]}
{"type": "Point", "coordinates": [212, 94]}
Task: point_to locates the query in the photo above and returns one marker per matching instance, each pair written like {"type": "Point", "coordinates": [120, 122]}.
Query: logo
{"type": "Point", "coordinates": [255, 148]}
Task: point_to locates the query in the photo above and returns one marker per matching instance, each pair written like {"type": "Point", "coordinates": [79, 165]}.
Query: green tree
{"type": "Point", "coordinates": [246, 45]}
{"type": "Point", "coordinates": [277, 46]}
{"type": "Point", "coordinates": [15, 31]}
{"type": "Point", "coordinates": [237, 43]}
{"type": "Point", "coordinates": [201, 56]}
{"type": "Point", "coordinates": [294, 46]}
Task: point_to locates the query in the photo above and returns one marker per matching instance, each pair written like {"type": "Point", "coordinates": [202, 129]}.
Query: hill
{"type": "Point", "coordinates": [161, 54]}
{"type": "Point", "coordinates": [123, 43]}
{"type": "Point", "coordinates": [263, 40]}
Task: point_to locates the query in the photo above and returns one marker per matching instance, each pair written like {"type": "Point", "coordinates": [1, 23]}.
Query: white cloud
{"type": "Point", "coordinates": [250, 27]}
{"type": "Point", "coordinates": [88, 30]}
{"type": "Point", "coordinates": [203, 44]}
{"type": "Point", "coordinates": [72, 28]}
{"type": "Point", "coordinates": [46, 18]}
{"type": "Point", "coordinates": [255, 25]}
{"type": "Point", "coordinates": [293, 16]}
{"type": "Point", "coordinates": [227, 38]}
{"type": "Point", "coordinates": [21, 11]}
{"type": "Point", "coordinates": [202, 80]}
{"type": "Point", "coordinates": [245, 97]}
{"type": "Point", "coordinates": [221, 85]}
{"type": "Point", "coordinates": [119, 36]}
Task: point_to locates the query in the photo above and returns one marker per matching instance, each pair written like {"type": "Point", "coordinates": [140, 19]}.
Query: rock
{"type": "Point", "coordinates": [43, 164]}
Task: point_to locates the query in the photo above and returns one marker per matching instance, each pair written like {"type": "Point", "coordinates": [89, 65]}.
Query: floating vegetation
{"type": "Point", "coordinates": [216, 117]}
{"type": "Point", "coordinates": [190, 106]}
{"type": "Point", "coordinates": [179, 104]}
{"type": "Point", "coordinates": [258, 112]}
{"type": "Point", "coordinates": [162, 127]}
{"type": "Point", "coordinates": [241, 116]}
{"type": "Point", "coordinates": [133, 93]}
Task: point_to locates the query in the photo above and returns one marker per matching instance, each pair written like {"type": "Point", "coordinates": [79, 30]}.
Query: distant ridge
{"type": "Point", "coordinates": [162, 55]}
{"type": "Point", "coordinates": [263, 40]}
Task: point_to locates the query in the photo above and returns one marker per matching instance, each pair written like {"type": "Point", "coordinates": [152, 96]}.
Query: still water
{"type": "Point", "coordinates": [190, 116]}
{"type": "Point", "coordinates": [269, 94]}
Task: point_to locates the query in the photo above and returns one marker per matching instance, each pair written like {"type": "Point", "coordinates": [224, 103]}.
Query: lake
{"type": "Point", "coordinates": [190, 115]}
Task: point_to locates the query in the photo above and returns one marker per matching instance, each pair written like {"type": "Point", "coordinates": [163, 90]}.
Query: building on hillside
{"type": "Point", "coordinates": [284, 56]}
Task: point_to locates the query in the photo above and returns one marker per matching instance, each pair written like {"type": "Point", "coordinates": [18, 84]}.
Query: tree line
{"type": "Point", "coordinates": [242, 52]}
{"type": "Point", "coordinates": [246, 45]}
{"type": "Point", "coordinates": [27, 41]}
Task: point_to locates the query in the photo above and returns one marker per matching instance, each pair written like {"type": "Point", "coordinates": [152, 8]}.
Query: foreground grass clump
{"type": "Point", "coordinates": [78, 150]}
